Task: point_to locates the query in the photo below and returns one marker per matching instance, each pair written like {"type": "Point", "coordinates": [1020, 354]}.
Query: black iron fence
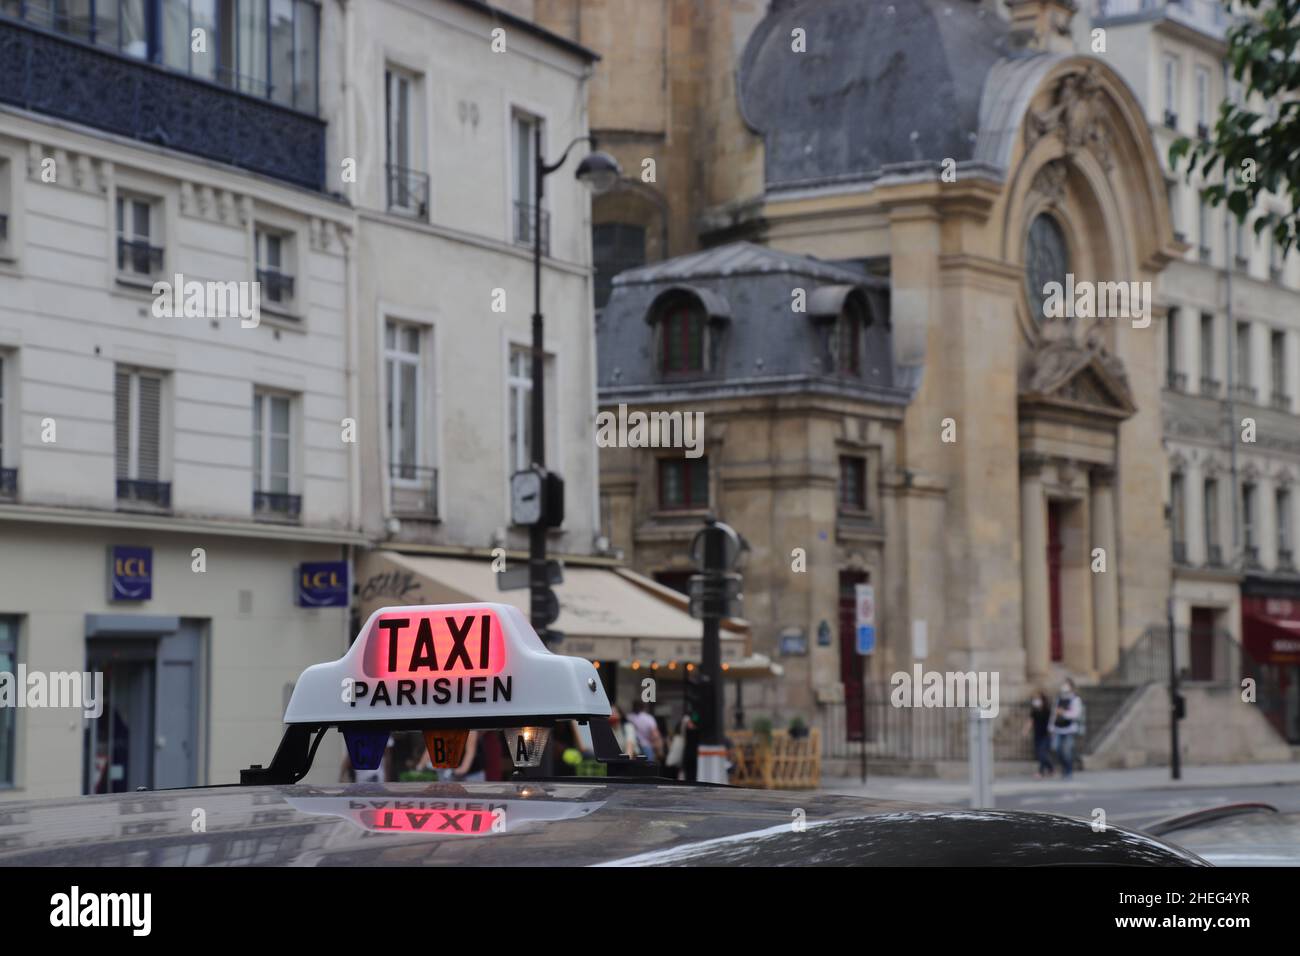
{"type": "Point", "coordinates": [911, 733]}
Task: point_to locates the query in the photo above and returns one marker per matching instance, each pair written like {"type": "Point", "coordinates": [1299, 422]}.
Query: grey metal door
{"type": "Point", "coordinates": [176, 708]}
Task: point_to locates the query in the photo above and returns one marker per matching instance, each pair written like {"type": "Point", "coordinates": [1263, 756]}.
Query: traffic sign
{"type": "Point", "coordinates": [865, 612]}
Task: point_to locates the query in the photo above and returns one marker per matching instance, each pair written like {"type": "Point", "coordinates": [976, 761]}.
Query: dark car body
{"type": "Point", "coordinates": [578, 822]}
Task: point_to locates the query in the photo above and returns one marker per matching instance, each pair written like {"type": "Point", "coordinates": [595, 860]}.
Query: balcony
{"type": "Point", "coordinates": [277, 287]}
{"type": "Point", "coordinates": [408, 191]}
{"type": "Point", "coordinates": [98, 87]}
{"type": "Point", "coordinates": [1202, 132]}
{"type": "Point", "coordinates": [1210, 387]}
{"type": "Point", "coordinates": [131, 491]}
{"type": "Point", "coordinates": [1204, 16]}
{"type": "Point", "coordinates": [138, 257]}
{"type": "Point", "coordinates": [1244, 393]}
{"type": "Point", "coordinates": [8, 483]}
{"type": "Point", "coordinates": [1180, 552]}
{"type": "Point", "coordinates": [1250, 556]}
{"type": "Point", "coordinates": [275, 506]}
{"type": "Point", "coordinates": [1275, 273]}
{"type": "Point", "coordinates": [526, 221]}
{"type": "Point", "coordinates": [1204, 253]}
{"type": "Point", "coordinates": [1213, 556]}
{"type": "Point", "coordinates": [1285, 560]}
{"type": "Point", "coordinates": [414, 491]}
{"type": "Point", "coordinates": [4, 227]}
{"type": "Point", "coordinates": [1176, 381]}
{"type": "Point", "coordinates": [1281, 401]}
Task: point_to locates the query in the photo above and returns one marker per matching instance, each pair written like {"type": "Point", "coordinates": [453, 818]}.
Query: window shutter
{"type": "Point", "coordinates": [148, 451]}
{"type": "Point", "coordinates": [122, 422]}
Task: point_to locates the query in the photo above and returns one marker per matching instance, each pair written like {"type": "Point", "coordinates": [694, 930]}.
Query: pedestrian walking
{"type": "Point", "coordinates": [1039, 724]}
{"type": "Point", "coordinates": [1065, 727]}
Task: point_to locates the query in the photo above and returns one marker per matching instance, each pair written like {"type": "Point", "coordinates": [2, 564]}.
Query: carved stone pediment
{"type": "Point", "coordinates": [1067, 375]}
{"type": "Point", "coordinates": [1076, 114]}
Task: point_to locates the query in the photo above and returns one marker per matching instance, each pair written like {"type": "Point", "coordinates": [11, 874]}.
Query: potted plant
{"type": "Point", "coordinates": [798, 729]}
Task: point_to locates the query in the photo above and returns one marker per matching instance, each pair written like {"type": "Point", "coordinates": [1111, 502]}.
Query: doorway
{"type": "Point", "coordinates": [147, 732]}
{"type": "Point", "coordinates": [1054, 548]}
{"type": "Point", "coordinates": [851, 662]}
{"type": "Point", "coordinates": [1200, 639]}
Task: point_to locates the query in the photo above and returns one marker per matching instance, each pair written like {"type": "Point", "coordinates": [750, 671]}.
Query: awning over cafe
{"type": "Point", "coordinates": [1271, 629]}
{"type": "Point", "coordinates": [606, 613]}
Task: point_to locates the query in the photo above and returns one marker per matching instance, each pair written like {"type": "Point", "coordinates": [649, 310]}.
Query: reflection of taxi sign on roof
{"type": "Point", "coordinates": [445, 669]}
{"type": "Point", "coordinates": [454, 816]}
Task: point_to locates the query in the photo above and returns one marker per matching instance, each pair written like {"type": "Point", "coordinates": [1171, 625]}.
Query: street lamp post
{"type": "Point", "coordinates": [599, 172]}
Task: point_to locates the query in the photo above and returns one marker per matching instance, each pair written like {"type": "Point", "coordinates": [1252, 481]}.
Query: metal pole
{"type": "Point", "coordinates": [712, 760]}
{"type": "Point", "coordinates": [537, 582]}
{"type": "Point", "coordinates": [1175, 764]}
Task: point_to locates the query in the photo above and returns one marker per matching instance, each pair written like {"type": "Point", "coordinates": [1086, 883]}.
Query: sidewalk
{"type": "Point", "coordinates": [931, 790]}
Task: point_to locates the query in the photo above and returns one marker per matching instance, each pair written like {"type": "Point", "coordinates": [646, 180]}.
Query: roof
{"type": "Point", "coordinates": [882, 83]}
{"type": "Point", "coordinates": [575, 822]}
{"type": "Point", "coordinates": [741, 259]}
{"type": "Point", "coordinates": [528, 26]}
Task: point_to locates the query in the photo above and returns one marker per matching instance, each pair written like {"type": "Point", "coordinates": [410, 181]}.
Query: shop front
{"type": "Point", "coordinates": [1270, 621]}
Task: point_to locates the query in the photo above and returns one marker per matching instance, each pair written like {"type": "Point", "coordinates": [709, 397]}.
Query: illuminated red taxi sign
{"type": "Point", "coordinates": [431, 643]}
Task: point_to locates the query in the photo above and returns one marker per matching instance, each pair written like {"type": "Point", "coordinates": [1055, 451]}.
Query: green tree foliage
{"type": "Point", "coordinates": [1249, 154]}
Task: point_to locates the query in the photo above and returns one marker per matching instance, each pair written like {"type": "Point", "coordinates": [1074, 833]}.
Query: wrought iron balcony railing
{"type": "Point", "coordinates": [1214, 556]}
{"type": "Point", "coordinates": [276, 286]}
{"type": "Point", "coordinates": [1205, 16]}
{"type": "Point", "coordinates": [96, 86]}
{"type": "Point", "coordinates": [1245, 393]}
{"type": "Point", "coordinates": [1177, 381]}
{"type": "Point", "coordinates": [138, 257]}
{"type": "Point", "coordinates": [4, 227]}
{"type": "Point", "coordinates": [278, 506]}
{"type": "Point", "coordinates": [1285, 560]}
{"type": "Point", "coordinates": [8, 482]}
{"type": "Point", "coordinates": [408, 191]}
{"type": "Point", "coordinates": [1180, 552]}
{"type": "Point", "coordinates": [157, 493]}
{"type": "Point", "coordinates": [526, 220]}
{"type": "Point", "coordinates": [1250, 555]}
{"type": "Point", "coordinates": [413, 490]}
{"type": "Point", "coordinates": [1210, 386]}
{"type": "Point", "coordinates": [1281, 401]}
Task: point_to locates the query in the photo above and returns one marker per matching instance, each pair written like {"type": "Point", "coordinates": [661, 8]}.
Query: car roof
{"type": "Point", "coordinates": [579, 821]}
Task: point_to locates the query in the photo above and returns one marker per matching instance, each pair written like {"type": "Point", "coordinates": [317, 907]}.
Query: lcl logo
{"type": "Point", "coordinates": [132, 574]}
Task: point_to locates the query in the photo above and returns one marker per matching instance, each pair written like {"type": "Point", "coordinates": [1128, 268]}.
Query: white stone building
{"type": "Point", "coordinates": [1232, 364]}
{"type": "Point", "coordinates": [124, 428]}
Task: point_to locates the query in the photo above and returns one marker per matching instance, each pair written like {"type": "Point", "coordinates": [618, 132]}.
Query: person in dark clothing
{"type": "Point", "coordinates": [1040, 718]}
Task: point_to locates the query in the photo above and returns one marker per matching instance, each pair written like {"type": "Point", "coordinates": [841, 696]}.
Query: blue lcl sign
{"type": "Point", "coordinates": [130, 573]}
{"type": "Point", "coordinates": [323, 584]}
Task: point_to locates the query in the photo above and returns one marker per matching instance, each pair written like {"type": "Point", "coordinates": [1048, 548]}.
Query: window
{"type": "Point", "coordinates": [1178, 516]}
{"type": "Point", "coordinates": [848, 337]}
{"type": "Point", "coordinates": [523, 180]}
{"type": "Point", "coordinates": [8, 476]}
{"type": "Point", "coordinates": [1203, 228]}
{"type": "Point", "coordinates": [1211, 515]}
{"type": "Point", "coordinates": [267, 49]}
{"type": "Point", "coordinates": [1175, 212]}
{"type": "Point", "coordinates": [520, 385]}
{"type": "Point", "coordinates": [1047, 259]}
{"type": "Point", "coordinates": [272, 456]}
{"type": "Point", "coordinates": [1208, 381]}
{"type": "Point", "coordinates": [137, 429]}
{"type": "Point", "coordinates": [402, 395]}
{"type": "Point", "coordinates": [408, 186]}
{"type": "Point", "coordinates": [8, 715]}
{"type": "Point", "coordinates": [1202, 100]}
{"type": "Point", "coordinates": [853, 483]}
{"type": "Point", "coordinates": [1243, 355]}
{"type": "Point", "coordinates": [1274, 258]}
{"type": "Point", "coordinates": [1171, 91]}
{"type": "Point", "coordinates": [681, 336]}
{"type": "Point", "coordinates": [274, 270]}
{"type": "Point", "coordinates": [139, 253]}
{"type": "Point", "coordinates": [1243, 249]}
{"type": "Point", "coordinates": [1248, 522]}
{"type": "Point", "coordinates": [684, 482]}
{"type": "Point", "coordinates": [615, 247]}
{"type": "Point", "coordinates": [5, 225]}
{"type": "Point", "coordinates": [1277, 363]}
{"type": "Point", "coordinates": [1282, 512]}
{"type": "Point", "coordinates": [1171, 349]}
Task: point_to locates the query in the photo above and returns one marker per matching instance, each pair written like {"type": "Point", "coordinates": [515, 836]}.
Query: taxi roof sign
{"type": "Point", "coordinates": [440, 667]}
{"type": "Point", "coordinates": [450, 665]}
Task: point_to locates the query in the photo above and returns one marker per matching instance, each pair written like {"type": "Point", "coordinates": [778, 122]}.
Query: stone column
{"type": "Point", "coordinates": [1105, 585]}
{"type": "Point", "coordinates": [1033, 567]}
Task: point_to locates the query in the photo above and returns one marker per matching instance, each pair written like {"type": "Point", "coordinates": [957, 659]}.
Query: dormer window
{"type": "Point", "coordinates": [848, 336]}
{"type": "Point", "coordinates": [682, 324]}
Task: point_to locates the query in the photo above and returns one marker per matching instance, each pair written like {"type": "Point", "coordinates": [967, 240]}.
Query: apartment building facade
{"type": "Point", "coordinates": [174, 459]}
{"type": "Point", "coordinates": [1231, 365]}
